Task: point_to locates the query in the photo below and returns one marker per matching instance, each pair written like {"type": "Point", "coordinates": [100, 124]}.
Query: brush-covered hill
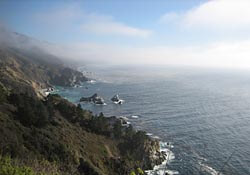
{"type": "Point", "coordinates": [54, 136]}
{"type": "Point", "coordinates": [49, 135]}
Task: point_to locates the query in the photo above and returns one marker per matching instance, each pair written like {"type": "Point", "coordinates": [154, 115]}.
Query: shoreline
{"type": "Point", "coordinates": [165, 147]}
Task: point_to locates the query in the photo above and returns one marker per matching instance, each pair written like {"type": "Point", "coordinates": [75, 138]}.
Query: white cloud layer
{"type": "Point", "coordinates": [112, 27]}
{"type": "Point", "coordinates": [87, 22]}
{"type": "Point", "coordinates": [229, 55]}
{"type": "Point", "coordinates": [215, 15]}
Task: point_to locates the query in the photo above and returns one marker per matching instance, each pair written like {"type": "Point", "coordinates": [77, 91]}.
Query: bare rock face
{"type": "Point", "coordinates": [94, 99]}
{"type": "Point", "coordinates": [153, 156]}
{"type": "Point", "coordinates": [150, 154]}
{"type": "Point", "coordinates": [116, 99]}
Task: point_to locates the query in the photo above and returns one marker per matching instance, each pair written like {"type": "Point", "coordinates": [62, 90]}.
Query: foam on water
{"type": "Point", "coordinates": [104, 104]}
{"type": "Point", "coordinates": [91, 81]}
{"type": "Point", "coordinates": [135, 116]}
{"type": "Point", "coordinates": [119, 102]}
{"type": "Point", "coordinates": [208, 169]}
{"type": "Point", "coordinates": [155, 137]}
{"type": "Point", "coordinates": [149, 134]}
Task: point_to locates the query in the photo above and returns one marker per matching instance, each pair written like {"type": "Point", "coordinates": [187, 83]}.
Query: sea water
{"type": "Point", "coordinates": [203, 113]}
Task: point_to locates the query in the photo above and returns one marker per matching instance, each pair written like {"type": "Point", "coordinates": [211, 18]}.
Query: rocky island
{"type": "Point", "coordinates": [116, 99]}
{"type": "Point", "coordinates": [96, 99]}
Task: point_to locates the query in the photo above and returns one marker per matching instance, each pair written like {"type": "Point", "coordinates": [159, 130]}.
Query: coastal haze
{"type": "Point", "coordinates": [195, 33]}
{"type": "Point", "coordinates": [181, 67]}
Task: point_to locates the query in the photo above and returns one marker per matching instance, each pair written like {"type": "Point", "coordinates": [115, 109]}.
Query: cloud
{"type": "Point", "coordinates": [73, 17]}
{"type": "Point", "coordinates": [59, 16]}
{"type": "Point", "coordinates": [222, 15]}
{"type": "Point", "coordinates": [218, 54]}
{"type": "Point", "coordinates": [111, 27]}
{"type": "Point", "coordinates": [170, 17]}
{"type": "Point", "coordinates": [214, 15]}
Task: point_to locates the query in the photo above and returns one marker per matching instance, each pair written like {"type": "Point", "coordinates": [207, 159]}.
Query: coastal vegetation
{"type": "Point", "coordinates": [49, 135]}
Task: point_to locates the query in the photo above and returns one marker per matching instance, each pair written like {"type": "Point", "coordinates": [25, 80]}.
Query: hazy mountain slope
{"type": "Point", "coordinates": [25, 60]}
{"type": "Point", "coordinates": [22, 70]}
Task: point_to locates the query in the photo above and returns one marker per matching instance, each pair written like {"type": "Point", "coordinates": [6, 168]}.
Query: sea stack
{"type": "Point", "coordinates": [94, 98]}
{"type": "Point", "coordinates": [116, 99]}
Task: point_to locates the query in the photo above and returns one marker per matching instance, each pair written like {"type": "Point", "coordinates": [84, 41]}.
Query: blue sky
{"type": "Point", "coordinates": [193, 32]}
{"type": "Point", "coordinates": [23, 17]}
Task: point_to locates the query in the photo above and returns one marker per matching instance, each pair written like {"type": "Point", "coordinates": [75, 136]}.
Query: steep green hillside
{"type": "Point", "coordinates": [49, 135]}
{"type": "Point", "coordinates": [54, 135]}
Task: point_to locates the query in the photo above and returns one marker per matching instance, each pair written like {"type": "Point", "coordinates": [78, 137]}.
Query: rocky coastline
{"type": "Point", "coordinates": [50, 135]}
{"type": "Point", "coordinates": [141, 146]}
{"type": "Point", "coordinates": [76, 139]}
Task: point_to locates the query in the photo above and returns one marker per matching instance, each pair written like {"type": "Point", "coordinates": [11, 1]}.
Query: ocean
{"type": "Point", "coordinates": [203, 113]}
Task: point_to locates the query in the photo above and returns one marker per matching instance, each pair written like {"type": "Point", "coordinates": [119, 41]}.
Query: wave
{"type": "Point", "coordinates": [104, 104]}
{"type": "Point", "coordinates": [149, 134]}
{"type": "Point", "coordinates": [208, 169]}
{"type": "Point", "coordinates": [119, 102]}
{"type": "Point", "coordinates": [123, 117]}
{"type": "Point", "coordinates": [77, 86]}
{"type": "Point", "coordinates": [155, 137]}
{"type": "Point", "coordinates": [134, 116]}
{"type": "Point", "coordinates": [91, 81]}
{"type": "Point", "coordinates": [204, 167]}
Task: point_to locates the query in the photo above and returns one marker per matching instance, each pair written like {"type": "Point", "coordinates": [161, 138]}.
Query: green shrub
{"type": "Point", "coordinates": [99, 124]}
{"type": "Point", "coordinates": [7, 168]}
{"type": "Point", "coordinates": [132, 173]}
{"type": "Point", "coordinates": [118, 129]}
{"type": "Point", "coordinates": [31, 111]}
{"type": "Point", "coordinates": [3, 94]}
{"type": "Point", "coordinates": [139, 171]}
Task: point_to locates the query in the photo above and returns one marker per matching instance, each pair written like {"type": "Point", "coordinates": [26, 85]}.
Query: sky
{"type": "Point", "coordinates": [212, 33]}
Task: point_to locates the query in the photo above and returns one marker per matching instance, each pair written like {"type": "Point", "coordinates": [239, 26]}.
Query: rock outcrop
{"type": "Point", "coordinates": [145, 149]}
{"type": "Point", "coordinates": [152, 154]}
{"type": "Point", "coordinates": [116, 99]}
{"type": "Point", "coordinates": [94, 99]}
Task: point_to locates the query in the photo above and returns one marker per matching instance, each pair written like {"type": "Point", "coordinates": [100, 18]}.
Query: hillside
{"type": "Point", "coordinates": [49, 135]}
{"type": "Point", "coordinates": [25, 70]}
